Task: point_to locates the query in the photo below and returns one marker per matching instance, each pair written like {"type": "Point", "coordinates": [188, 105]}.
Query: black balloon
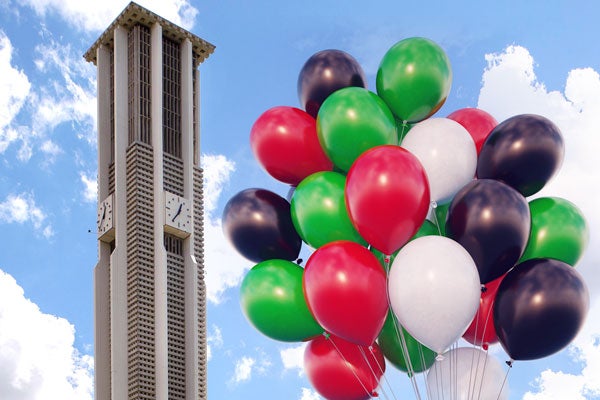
{"type": "Point", "coordinates": [524, 152]}
{"type": "Point", "coordinates": [324, 73]}
{"type": "Point", "coordinates": [491, 221]}
{"type": "Point", "coordinates": [540, 307]}
{"type": "Point", "coordinates": [259, 225]}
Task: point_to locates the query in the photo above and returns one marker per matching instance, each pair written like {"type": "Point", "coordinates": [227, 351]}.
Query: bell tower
{"type": "Point", "coordinates": [149, 290]}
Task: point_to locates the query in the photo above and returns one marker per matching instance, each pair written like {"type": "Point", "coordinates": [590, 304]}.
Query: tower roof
{"type": "Point", "coordinates": [135, 14]}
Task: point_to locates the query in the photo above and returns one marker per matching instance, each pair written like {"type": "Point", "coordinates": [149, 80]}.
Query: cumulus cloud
{"type": "Point", "coordinates": [214, 339]}
{"type": "Point", "coordinates": [224, 266]}
{"type": "Point", "coordinates": [69, 95]}
{"type": "Point", "coordinates": [511, 87]}
{"type": "Point", "coordinates": [14, 89]}
{"type": "Point", "coordinates": [246, 366]}
{"type": "Point", "coordinates": [21, 209]}
{"type": "Point", "coordinates": [90, 187]}
{"type": "Point", "coordinates": [64, 91]}
{"type": "Point", "coordinates": [293, 358]}
{"type": "Point", "coordinates": [308, 394]}
{"type": "Point", "coordinates": [89, 15]}
{"type": "Point", "coordinates": [38, 359]}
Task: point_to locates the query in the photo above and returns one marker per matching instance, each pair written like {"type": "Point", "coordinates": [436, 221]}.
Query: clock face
{"type": "Point", "coordinates": [178, 213]}
{"type": "Point", "coordinates": [105, 216]}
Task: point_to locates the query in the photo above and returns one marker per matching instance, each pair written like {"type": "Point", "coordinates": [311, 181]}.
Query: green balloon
{"type": "Point", "coordinates": [319, 210]}
{"type": "Point", "coordinates": [351, 121]}
{"type": "Point", "coordinates": [414, 78]}
{"type": "Point", "coordinates": [272, 299]}
{"type": "Point", "coordinates": [390, 341]}
{"type": "Point", "coordinates": [558, 231]}
{"type": "Point", "coordinates": [427, 229]}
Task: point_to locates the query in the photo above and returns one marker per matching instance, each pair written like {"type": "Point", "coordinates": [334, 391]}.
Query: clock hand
{"type": "Point", "coordinates": [103, 214]}
{"type": "Point", "coordinates": [177, 213]}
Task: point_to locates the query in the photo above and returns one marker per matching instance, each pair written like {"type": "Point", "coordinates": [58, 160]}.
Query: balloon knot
{"type": "Point", "coordinates": [509, 363]}
{"type": "Point", "coordinates": [374, 394]}
{"type": "Point", "coordinates": [299, 261]}
{"type": "Point", "coordinates": [327, 335]}
{"type": "Point", "coordinates": [485, 346]}
{"type": "Point", "coordinates": [439, 357]}
{"type": "Point", "coordinates": [483, 289]}
{"type": "Point", "coordinates": [387, 259]}
{"type": "Point", "coordinates": [434, 204]}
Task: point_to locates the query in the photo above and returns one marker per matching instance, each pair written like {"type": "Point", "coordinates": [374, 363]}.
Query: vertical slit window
{"type": "Point", "coordinates": [171, 98]}
{"type": "Point", "coordinates": [139, 84]}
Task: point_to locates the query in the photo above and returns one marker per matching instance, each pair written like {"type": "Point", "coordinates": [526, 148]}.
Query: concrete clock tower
{"type": "Point", "coordinates": [149, 297]}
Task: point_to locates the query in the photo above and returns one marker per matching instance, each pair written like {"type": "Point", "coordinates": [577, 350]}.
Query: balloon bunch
{"type": "Point", "coordinates": [420, 228]}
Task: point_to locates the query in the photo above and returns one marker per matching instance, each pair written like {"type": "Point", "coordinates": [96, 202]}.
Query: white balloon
{"type": "Point", "coordinates": [446, 151]}
{"type": "Point", "coordinates": [434, 290]}
{"type": "Point", "coordinates": [467, 373]}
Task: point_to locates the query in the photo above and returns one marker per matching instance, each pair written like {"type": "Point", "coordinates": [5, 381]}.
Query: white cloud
{"type": "Point", "coordinates": [90, 15]}
{"type": "Point", "coordinates": [214, 339]}
{"type": "Point", "coordinates": [243, 369]}
{"type": "Point", "coordinates": [224, 266]}
{"type": "Point", "coordinates": [246, 366]}
{"type": "Point", "coordinates": [510, 87]}
{"type": "Point", "coordinates": [14, 89]}
{"type": "Point", "coordinates": [21, 209]}
{"type": "Point", "coordinates": [72, 97]}
{"type": "Point", "coordinates": [65, 92]}
{"type": "Point", "coordinates": [217, 170]}
{"type": "Point", "coordinates": [37, 358]}
{"type": "Point", "coordinates": [293, 358]}
{"type": "Point", "coordinates": [308, 394]}
{"type": "Point", "coordinates": [90, 187]}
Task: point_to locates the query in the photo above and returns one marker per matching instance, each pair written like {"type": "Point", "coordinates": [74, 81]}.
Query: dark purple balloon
{"type": "Point", "coordinates": [524, 152]}
{"type": "Point", "coordinates": [540, 307]}
{"type": "Point", "coordinates": [259, 225]}
{"type": "Point", "coordinates": [324, 73]}
{"type": "Point", "coordinates": [491, 221]}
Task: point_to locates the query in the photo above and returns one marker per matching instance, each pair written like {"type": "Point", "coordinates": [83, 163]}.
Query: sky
{"type": "Point", "coordinates": [507, 58]}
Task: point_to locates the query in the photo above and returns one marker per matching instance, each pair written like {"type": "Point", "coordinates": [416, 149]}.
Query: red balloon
{"type": "Point", "coordinates": [477, 122]}
{"type": "Point", "coordinates": [339, 370]}
{"type": "Point", "coordinates": [481, 332]}
{"type": "Point", "coordinates": [387, 194]}
{"type": "Point", "coordinates": [284, 141]}
{"type": "Point", "coordinates": [345, 288]}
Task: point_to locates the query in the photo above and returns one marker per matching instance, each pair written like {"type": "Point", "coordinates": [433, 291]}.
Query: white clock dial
{"type": "Point", "coordinates": [105, 216]}
{"type": "Point", "coordinates": [178, 213]}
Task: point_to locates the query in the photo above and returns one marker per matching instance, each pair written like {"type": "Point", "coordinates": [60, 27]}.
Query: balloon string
{"type": "Point", "coordinates": [438, 380]}
{"type": "Point", "coordinates": [404, 125]}
{"type": "Point", "coordinates": [473, 379]}
{"type": "Point", "coordinates": [398, 334]}
{"type": "Point", "coordinates": [382, 374]}
{"type": "Point", "coordinates": [505, 378]}
{"type": "Point", "coordinates": [435, 218]}
{"type": "Point", "coordinates": [327, 336]}
{"type": "Point", "coordinates": [364, 356]}
{"type": "Point", "coordinates": [474, 370]}
{"type": "Point", "coordinates": [424, 364]}
{"type": "Point", "coordinates": [405, 353]}
{"type": "Point", "coordinates": [483, 375]}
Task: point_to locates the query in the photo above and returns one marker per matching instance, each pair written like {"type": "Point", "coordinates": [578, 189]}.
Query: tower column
{"type": "Point", "coordinates": [102, 270]}
{"type": "Point", "coordinates": [190, 266]}
{"type": "Point", "coordinates": [118, 260]}
{"type": "Point", "coordinates": [160, 270]}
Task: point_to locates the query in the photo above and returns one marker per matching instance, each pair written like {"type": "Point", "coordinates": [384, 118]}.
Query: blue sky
{"type": "Point", "coordinates": [507, 58]}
